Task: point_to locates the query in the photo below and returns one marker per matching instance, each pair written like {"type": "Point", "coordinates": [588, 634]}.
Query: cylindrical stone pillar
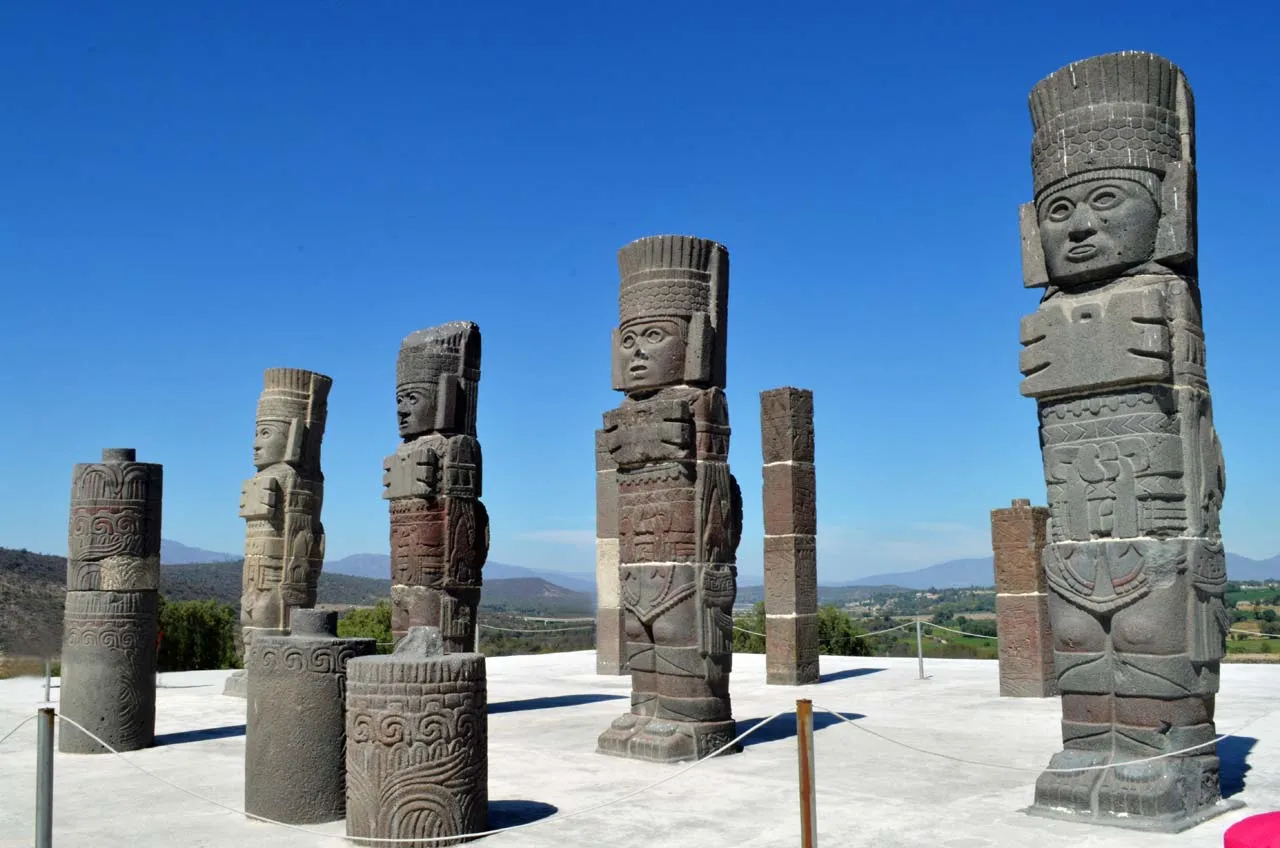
{"type": "Point", "coordinates": [417, 743]}
{"type": "Point", "coordinates": [110, 623]}
{"type": "Point", "coordinates": [1022, 601]}
{"type": "Point", "coordinates": [295, 735]}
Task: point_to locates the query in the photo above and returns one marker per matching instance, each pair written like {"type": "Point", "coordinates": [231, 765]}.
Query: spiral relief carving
{"type": "Point", "coordinates": [417, 759]}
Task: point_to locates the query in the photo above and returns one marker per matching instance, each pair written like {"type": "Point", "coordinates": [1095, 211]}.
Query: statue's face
{"type": "Point", "coordinates": [651, 353]}
{"type": "Point", "coordinates": [270, 443]}
{"type": "Point", "coordinates": [416, 408]}
{"type": "Point", "coordinates": [1097, 229]}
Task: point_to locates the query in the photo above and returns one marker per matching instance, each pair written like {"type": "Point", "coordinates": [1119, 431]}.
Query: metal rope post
{"type": "Point", "coordinates": [920, 647]}
{"type": "Point", "coordinates": [44, 776]}
{"type": "Point", "coordinates": [48, 677]}
{"type": "Point", "coordinates": [808, 802]}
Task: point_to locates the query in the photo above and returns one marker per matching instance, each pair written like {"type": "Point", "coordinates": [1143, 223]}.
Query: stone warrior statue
{"type": "Point", "coordinates": [679, 508]}
{"type": "Point", "coordinates": [284, 539]}
{"type": "Point", "coordinates": [1115, 358]}
{"type": "Point", "coordinates": [439, 527]}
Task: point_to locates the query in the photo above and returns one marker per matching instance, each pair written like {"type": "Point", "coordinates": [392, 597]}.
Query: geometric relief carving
{"type": "Point", "coordinates": [417, 758]}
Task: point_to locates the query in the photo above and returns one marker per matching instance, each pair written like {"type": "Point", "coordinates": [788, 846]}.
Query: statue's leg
{"type": "Point", "coordinates": [1164, 703]}
{"type": "Point", "coordinates": [640, 664]}
{"type": "Point", "coordinates": [1081, 646]}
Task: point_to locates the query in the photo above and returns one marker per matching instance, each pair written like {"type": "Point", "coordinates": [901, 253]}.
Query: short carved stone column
{"type": "Point", "coordinates": [110, 623]}
{"type": "Point", "coordinates": [790, 537]}
{"type": "Point", "coordinates": [417, 743]}
{"type": "Point", "coordinates": [611, 637]}
{"type": "Point", "coordinates": [1022, 602]}
{"type": "Point", "coordinates": [295, 738]}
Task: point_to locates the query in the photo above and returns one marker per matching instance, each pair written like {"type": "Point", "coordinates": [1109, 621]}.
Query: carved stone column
{"type": "Point", "coordinates": [110, 629]}
{"type": "Point", "coordinates": [679, 508]}
{"type": "Point", "coordinates": [611, 637]}
{"type": "Point", "coordinates": [790, 537]}
{"type": "Point", "coordinates": [295, 737]}
{"type": "Point", "coordinates": [417, 743]}
{"type": "Point", "coordinates": [1022, 603]}
{"type": "Point", "coordinates": [439, 527]}
{"type": "Point", "coordinates": [1115, 358]}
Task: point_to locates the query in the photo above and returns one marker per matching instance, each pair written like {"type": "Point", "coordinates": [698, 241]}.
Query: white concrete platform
{"type": "Point", "coordinates": [547, 710]}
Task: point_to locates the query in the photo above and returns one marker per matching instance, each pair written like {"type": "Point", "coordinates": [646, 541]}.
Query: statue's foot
{"type": "Point", "coordinates": [666, 741]}
{"type": "Point", "coordinates": [1172, 790]}
{"type": "Point", "coordinates": [1070, 791]}
{"type": "Point", "coordinates": [617, 739]}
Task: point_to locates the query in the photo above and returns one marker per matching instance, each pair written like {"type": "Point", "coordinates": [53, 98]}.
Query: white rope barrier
{"type": "Point", "coordinates": [961, 632]}
{"type": "Point", "coordinates": [546, 630]}
{"type": "Point", "coordinates": [859, 636]}
{"type": "Point", "coordinates": [942, 756]}
{"type": "Point", "coordinates": [1254, 633]}
{"type": "Point", "coordinates": [419, 840]}
{"type": "Point", "coordinates": [752, 632]}
{"type": "Point", "coordinates": [18, 727]}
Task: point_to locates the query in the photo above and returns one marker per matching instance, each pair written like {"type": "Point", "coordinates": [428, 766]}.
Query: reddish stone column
{"type": "Point", "coordinates": [611, 636]}
{"type": "Point", "coordinates": [790, 537]}
{"type": "Point", "coordinates": [1022, 603]}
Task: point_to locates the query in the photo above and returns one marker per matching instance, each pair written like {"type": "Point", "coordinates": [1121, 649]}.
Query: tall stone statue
{"type": "Point", "coordinates": [113, 577]}
{"type": "Point", "coordinates": [1115, 359]}
{"type": "Point", "coordinates": [679, 508]}
{"type": "Point", "coordinates": [439, 527]}
{"type": "Point", "coordinates": [284, 539]}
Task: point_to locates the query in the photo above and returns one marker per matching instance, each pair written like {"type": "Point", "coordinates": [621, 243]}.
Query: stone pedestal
{"type": "Point", "coordinates": [110, 623]}
{"type": "Point", "coordinates": [790, 537]}
{"type": "Point", "coordinates": [417, 743]}
{"type": "Point", "coordinates": [1022, 602]}
{"type": "Point", "coordinates": [295, 735]}
{"type": "Point", "coordinates": [611, 638]}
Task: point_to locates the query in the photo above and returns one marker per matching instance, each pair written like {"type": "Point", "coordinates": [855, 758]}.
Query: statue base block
{"type": "Point", "coordinates": [1162, 796]}
{"type": "Point", "coordinates": [661, 740]}
{"type": "Point", "coordinates": [237, 685]}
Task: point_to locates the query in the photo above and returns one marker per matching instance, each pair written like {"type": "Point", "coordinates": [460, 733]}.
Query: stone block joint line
{"type": "Point", "coordinates": [419, 840]}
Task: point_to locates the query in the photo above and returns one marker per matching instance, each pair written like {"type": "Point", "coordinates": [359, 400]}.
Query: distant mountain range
{"type": "Point", "coordinates": [378, 567]}
{"type": "Point", "coordinates": [980, 571]}
{"type": "Point", "coordinates": [953, 574]}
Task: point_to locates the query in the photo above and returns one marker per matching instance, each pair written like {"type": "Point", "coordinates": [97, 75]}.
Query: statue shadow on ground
{"type": "Point", "coordinates": [1233, 753]}
{"type": "Point", "coordinates": [550, 701]}
{"type": "Point", "coordinates": [511, 813]}
{"type": "Point", "coordinates": [832, 676]}
{"type": "Point", "coordinates": [784, 726]}
{"type": "Point", "coordinates": [204, 735]}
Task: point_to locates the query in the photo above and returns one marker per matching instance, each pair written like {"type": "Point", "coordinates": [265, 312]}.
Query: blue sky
{"type": "Point", "coordinates": [194, 192]}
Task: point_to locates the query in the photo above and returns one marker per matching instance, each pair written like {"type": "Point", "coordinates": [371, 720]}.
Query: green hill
{"type": "Point", "coordinates": [33, 588]}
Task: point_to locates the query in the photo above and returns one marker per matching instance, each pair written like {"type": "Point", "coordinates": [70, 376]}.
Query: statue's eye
{"type": "Point", "coordinates": [628, 341]}
{"type": "Point", "coordinates": [1060, 209]}
{"type": "Point", "coordinates": [1105, 198]}
{"type": "Point", "coordinates": [654, 335]}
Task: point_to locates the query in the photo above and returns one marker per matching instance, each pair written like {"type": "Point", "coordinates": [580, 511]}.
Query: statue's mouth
{"type": "Point", "coordinates": [638, 368]}
{"type": "Point", "coordinates": [1082, 253]}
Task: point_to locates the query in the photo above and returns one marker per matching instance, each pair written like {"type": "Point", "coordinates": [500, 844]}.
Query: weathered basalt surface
{"type": "Point", "coordinates": [295, 735]}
